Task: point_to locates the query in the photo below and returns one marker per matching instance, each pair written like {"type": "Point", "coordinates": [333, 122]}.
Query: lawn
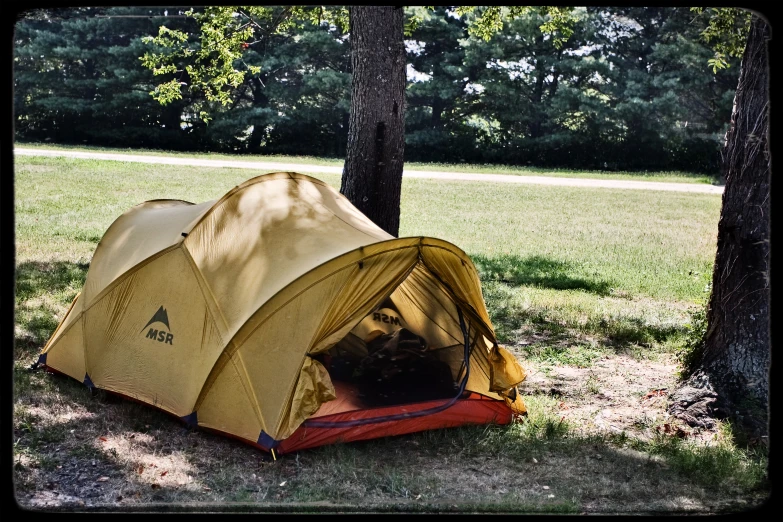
{"type": "Point", "coordinates": [668, 176]}
{"type": "Point", "coordinates": [593, 289]}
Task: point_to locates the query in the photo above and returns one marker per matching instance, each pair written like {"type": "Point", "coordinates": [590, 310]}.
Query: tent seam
{"type": "Point", "coordinates": [146, 258]}
{"type": "Point", "coordinates": [206, 292]}
{"type": "Point", "coordinates": [59, 326]}
{"type": "Point", "coordinates": [239, 363]}
{"type": "Point", "coordinates": [333, 213]}
{"type": "Point", "coordinates": [425, 313]}
{"type": "Point", "coordinates": [237, 345]}
{"type": "Point", "coordinates": [132, 270]}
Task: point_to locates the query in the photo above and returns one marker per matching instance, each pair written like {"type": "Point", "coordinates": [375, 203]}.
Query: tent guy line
{"type": "Point", "coordinates": [453, 176]}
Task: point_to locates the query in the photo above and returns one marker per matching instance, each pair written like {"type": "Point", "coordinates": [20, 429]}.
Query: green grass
{"type": "Point", "coordinates": [626, 266]}
{"type": "Point", "coordinates": [569, 275]}
{"type": "Point", "coordinates": [666, 176]}
{"type": "Point", "coordinates": [543, 439]}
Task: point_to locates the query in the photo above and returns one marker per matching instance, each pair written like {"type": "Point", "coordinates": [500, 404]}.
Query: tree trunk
{"type": "Point", "coordinates": [372, 175]}
{"type": "Point", "coordinates": [538, 92]}
{"type": "Point", "coordinates": [732, 376]}
{"type": "Point", "coordinates": [260, 99]}
{"type": "Point", "coordinates": [437, 111]}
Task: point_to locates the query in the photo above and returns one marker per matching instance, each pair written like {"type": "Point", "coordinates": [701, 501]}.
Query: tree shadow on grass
{"type": "Point", "coordinates": [534, 328]}
{"type": "Point", "coordinates": [40, 286]}
{"type": "Point", "coordinates": [538, 271]}
{"type": "Point", "coordinates": [538, 325]}
{"type": "Point", "coordinates": [156, 451]}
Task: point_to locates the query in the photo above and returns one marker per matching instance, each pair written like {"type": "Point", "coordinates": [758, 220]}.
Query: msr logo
{"type": "Point", "coordinates": [159, 335]}
{"type": "Point", "coordinates": [385, 318]}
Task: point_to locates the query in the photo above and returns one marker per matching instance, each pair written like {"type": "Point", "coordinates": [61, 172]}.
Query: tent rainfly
{"type": "Point", "coordinates": [280, 315]}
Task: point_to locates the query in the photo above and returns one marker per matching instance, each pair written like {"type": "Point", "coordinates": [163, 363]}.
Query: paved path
{"type": "Point", "coordinates": [294, 167]}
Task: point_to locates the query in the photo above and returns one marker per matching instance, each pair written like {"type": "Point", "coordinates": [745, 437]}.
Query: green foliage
{"type": "Point", "coordinates": [77, 78]}
{"type": "Point", "coordinates": [557, 24]}
{"type": "Point", "coordinates": [690, 351]}
{"type": "Point", "coordinates": [727, 30]}
{"type": "Point", "coordinates": [212, 61]}
{"type": "Point", "coordinates": [626, 90]}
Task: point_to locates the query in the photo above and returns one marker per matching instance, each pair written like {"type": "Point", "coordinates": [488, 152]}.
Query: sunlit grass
{"type": "Point", "coordinates": [626, 266]}
{"type": "Point", "coordinates": [569, 275]}
{"type": "Point", "coordinates": [665, 176]}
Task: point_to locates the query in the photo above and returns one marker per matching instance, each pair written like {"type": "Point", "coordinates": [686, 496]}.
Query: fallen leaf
{"type": "Point", "coordinates": [103, 439]}
{"type": "Point", "coordinates": [207, 488]}
{"type": "Point", "coordinates": [545, 487]}
{"type": "Point", "coordinates": [140, 469]}
{"type": "Point", "coordinates": [656, 393]}
{"type": "Point", "coordinates": [155, 486]}
{"type": "Point", "coordinates": [163, 474]}
{"type": "Point", "coordinates": [283, 483]}
{"type": "Point", "coordinates": [103, 479]}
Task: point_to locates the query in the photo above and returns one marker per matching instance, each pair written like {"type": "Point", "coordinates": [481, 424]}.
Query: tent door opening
{"type": "Point", "coordinates": [414, 347]}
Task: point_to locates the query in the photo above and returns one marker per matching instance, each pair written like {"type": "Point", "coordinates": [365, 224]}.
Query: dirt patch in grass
{"type": "Point", "coordinates": [74, 451]}
{"type": "Point", "coordinates": [617, 394]}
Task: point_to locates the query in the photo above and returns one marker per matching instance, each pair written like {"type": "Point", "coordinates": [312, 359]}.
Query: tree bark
{"type": "Point", "coordinates": [372, 174]}
{"type": "Point", "coordinates": [732, 378]}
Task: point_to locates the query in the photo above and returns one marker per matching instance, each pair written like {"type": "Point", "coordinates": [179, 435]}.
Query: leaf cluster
{"type": "Point", "coordinates": [727, 30]}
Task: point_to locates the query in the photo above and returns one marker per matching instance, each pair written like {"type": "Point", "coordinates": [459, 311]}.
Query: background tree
{"type": "Point", "coordinates": [77, 78]}
{"type": "Point", "coordinates": [730, 372]}
{"type": "Point", "coordinates": [468, 99]}
{"type": "Point", "coordinates": [298, 102]}
{"type": "Point", "coordinates": [529, 104]}
{"type": "Point", "coordinates": [665, 103]}
{"type": "Point", "coordinates": [441, 92]}
{"type": "Point", "coordinates": [259, 71]}
{"type": "Point", "coordinates": [372, 173]}
{"type": "Point", "coordinates": [625, 90]}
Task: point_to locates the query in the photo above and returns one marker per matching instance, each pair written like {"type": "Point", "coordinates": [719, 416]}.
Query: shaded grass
{"type": "Point", "coordinates": [468, 469]}
{"type": "Point", "coordinates": [577, 327]}
{"type": "Point", "coordinates": [721, 464]}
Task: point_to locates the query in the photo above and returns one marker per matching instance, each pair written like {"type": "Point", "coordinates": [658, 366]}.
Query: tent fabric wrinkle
{"type": "Point", "coordinates": [253, 316]}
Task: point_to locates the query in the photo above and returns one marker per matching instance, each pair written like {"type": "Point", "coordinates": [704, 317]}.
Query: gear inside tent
{"type": "Point", "coordinates": [282, 316]}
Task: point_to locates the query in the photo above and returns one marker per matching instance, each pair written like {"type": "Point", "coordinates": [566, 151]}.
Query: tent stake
{"type": "Point", "coordinates": [273, 454]}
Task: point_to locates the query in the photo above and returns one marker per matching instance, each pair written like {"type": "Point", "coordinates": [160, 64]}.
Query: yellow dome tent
{"type": "Point", "coordinates": [229, 314]}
